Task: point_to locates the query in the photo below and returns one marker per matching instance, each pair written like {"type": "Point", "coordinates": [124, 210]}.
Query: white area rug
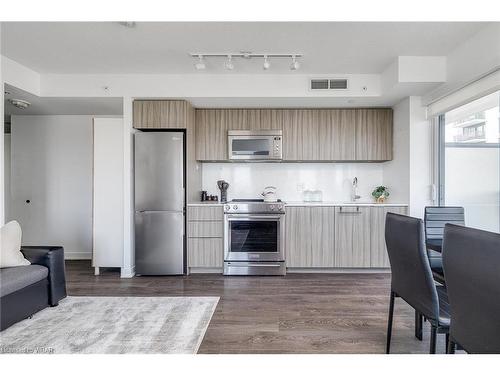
{"type": "Point", "coordinates": [113, 325]}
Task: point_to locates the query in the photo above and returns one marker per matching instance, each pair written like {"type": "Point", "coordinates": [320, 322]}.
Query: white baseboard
{"type": "Point", "coordinates": [338, 270]}
{"type": "Point", "coordinates": [127, 273]}
{"type": "Point", "coordinates": [77, 256]}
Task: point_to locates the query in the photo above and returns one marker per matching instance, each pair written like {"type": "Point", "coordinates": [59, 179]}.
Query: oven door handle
{"type": "Point", "coordinates": [254, 217]}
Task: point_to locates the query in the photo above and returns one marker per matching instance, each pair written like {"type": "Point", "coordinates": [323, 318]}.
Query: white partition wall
{"type": "Point", "coordinates": [108, 193]}
{"type": "Point", "coordinates": [51, 181]}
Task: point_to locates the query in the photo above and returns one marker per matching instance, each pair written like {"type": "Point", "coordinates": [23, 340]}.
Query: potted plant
{"type": "Point", "coordinates": [380, 194]}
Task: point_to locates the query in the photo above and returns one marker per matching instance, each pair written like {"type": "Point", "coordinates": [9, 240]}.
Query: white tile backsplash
{"type": "Point", "coordinates": [247, 180]}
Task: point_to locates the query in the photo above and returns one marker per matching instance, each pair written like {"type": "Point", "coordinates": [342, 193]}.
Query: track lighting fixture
{"type": "Point", "coordinates": [295, 65]}
{"type": "Point", "coordinates": [266, 64]}
{"type": "Point", "coordinates": [229, 63]}
{"type": "Point", "coordinates": [200, 64]}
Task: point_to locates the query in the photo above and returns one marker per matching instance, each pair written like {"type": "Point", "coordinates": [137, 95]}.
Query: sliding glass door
{"type": "Point", "coordinates": [469, 162]}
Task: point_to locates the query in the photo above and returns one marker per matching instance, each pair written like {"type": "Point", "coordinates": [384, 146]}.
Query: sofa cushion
{"type": "Point", "coordinates": [10, 246]}
{"type": "Point", "coordinates": [15, 278]}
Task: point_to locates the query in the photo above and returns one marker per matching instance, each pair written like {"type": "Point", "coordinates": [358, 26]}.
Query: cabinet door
{"type": "Point", "coordinates": [205, 252]}
{"type": "Point", "coordinates": [378, 253]}
{"type": "Point", "coordinates": [337, 131]}
{"type": "Point", "coordinates": [211, 134]}
{"type": "Point", "coordinates": [309, 236]}
{"type": "Point", "coordinates": [159, 114]}
{"type": "Point", "coordinates": [271, 119]}
{"type": "Point", "coordinates": [374, 134]}
{"type": "Point", "coordinates": [352, 236]}
{"type": "Point", "coordinates": [301, 134]}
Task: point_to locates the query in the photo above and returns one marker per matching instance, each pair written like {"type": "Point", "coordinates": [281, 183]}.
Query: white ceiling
{"type": "Point", "coordinates": [163, 47]}
{"type": "Point", "coordinates": [61, 106]}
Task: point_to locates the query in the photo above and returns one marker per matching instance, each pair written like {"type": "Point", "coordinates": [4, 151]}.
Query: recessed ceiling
{"type": "Point", "coordinates": [61, 106]}
{"type": "Point", "coordinates": [163, 47]}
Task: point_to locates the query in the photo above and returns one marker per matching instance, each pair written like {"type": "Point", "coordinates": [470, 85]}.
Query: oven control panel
{"type": "Point", "coordinates": [254, 208]}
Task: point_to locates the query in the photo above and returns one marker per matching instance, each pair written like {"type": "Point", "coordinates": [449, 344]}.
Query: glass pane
{"type": "Point", "coordinates": [251, 146]}
{"type": "Point", "coordinates": [254, 236]}
{"type": "Point", "coordinates": [472, 161]}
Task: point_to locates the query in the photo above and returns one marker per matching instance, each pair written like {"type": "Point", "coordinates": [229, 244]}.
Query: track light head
{"type": "Point", "coordinates": [266, 64]}
{"type": "Point", "coordinates": [295, 65]}
{"type": "Point", "coordinates": [200, 64]}
{"type": "Point", "coordinates": [228, 64]}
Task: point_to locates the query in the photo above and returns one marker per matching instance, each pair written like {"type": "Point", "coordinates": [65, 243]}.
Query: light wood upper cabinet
{"type": "Point", "coordinates": [336, 134]}
{"type": "Point", "coordinates": [374, 134]}
{"type": "Point", "coordinates": [211, 134]}
{"type": "Point", "coordinates": [319, 135]}
{"type": "Point", "coordinates": [160, 114]}
{"type": "Point", "coordinates": [378, 254]}
{"type": "Point", "coordinates": [352, 236]}
{"type": "Point", "coordinates": [301, 134]}
{"type": "Point", "coordinates": [271, 119]}
{"type": "Point", "coordinates": [309, 237]}
{"type": "Point", "coordinates": [212, 126]}
{"type": "Point", "coordinates": [308, 134]}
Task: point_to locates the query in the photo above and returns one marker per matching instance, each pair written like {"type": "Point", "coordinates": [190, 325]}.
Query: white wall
{"type": "Point", "coordinates": [421, 162]}
{"type": "Point", "coordinates": [108, 192]}
{"type": "Point", "coordinates": [7, 162]}
{"type": "Point", "coordinates": [396, 172]}
{"type": "Point", "coordinates": [52, 167]}
{"type": "Point", "coordinates": [409, 175]}
{"type": "Point", "coordinates": [247, 180]}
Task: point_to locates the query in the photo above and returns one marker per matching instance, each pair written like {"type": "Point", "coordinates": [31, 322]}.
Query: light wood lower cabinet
{"type": "Point", "coordinates": [309, 238]}
{"type": "Point", "coordinates": [352, 236]}
{"type": "Point", "coordinates": [205, 252]}
{"type": "Point", "coordinates": [205, 241]}
{"type": "Point", "coordinates": [378, 254]}
{"type": "Point", "coordinates": [337, 237]}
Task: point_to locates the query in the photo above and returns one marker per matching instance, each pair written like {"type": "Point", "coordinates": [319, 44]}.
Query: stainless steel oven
{"type": "Point", "coordinates": [255, 145]}
{"type": "Point", "coordinates": [254, 238]}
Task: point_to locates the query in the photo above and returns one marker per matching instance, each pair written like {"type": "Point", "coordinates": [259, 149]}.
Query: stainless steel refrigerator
{"type": "Point", "coordinates": [159, 203]}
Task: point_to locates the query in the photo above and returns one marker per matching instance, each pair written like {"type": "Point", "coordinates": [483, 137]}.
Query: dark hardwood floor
{"type": "Point", "coordinates": [298, 313]}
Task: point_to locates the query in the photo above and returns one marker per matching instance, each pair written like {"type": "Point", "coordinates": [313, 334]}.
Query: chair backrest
{"type": "Point", "coordinates": [471, 264]}
{"type": "Point", "coordinates": [411, 273]}
{"type": "Point", "coordinates": [435, 218]}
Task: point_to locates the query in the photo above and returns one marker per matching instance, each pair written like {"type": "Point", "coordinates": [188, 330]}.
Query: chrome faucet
{"type": "Point", "coordinates": [354, 191]}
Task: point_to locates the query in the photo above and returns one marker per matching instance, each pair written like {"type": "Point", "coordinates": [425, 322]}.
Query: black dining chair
{"type": "Point", "coordinates": [471, 260]}
{"type": "Point", "coordinates": [411, 276]}
{"type": "Point", "coordinates": [435, 218]}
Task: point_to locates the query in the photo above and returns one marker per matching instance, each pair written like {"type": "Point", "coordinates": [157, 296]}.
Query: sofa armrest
{"type": "Point", "coordinates": [51, 257]}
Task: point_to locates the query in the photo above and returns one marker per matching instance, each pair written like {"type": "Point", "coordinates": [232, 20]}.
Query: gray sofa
{"type": "Point", "coordinates": [26, 290]}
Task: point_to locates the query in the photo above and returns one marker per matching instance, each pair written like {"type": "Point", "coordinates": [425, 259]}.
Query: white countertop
{"type": "Point", "coordinates": [318, 204]}
{"type": "Point", "coordinates": [207, 203]}
{"type": "Point", "coordinates": [327, 203]}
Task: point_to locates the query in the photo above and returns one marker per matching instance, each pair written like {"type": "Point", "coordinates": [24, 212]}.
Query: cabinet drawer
{"type": "Point", "coordinates": [210, 213]}
{"type": "Point", "coordinates": [205, 252]}
{"type": "Point", "coordinates": [205, 229]}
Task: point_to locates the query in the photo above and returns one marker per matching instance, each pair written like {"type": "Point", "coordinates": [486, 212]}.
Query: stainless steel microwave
{"type": "Point", "coordinates": [255, 144]}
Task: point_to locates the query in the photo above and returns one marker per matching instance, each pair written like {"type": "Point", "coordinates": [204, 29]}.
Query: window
{"type": "Point", "coordinates": [469, 161]}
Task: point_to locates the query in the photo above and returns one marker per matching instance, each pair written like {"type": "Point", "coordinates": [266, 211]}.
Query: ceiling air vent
{"type": "Point", "coordinates": [328, 84]}
{"type": "Point", "coordinates": [338, 84]}
{"type": "Point", "coordinates": [319, 84]}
